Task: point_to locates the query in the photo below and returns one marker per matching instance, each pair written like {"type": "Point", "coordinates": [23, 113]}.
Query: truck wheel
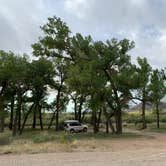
{"type": "Point", "coordinates": [85, 129]}
{"type": "Point", "coordinates": [72, 131]}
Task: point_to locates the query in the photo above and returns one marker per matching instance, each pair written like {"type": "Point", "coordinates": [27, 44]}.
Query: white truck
{"type": "Point", "coordinates": [74, 126]}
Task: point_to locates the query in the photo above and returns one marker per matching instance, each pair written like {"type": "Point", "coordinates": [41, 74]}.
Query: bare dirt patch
{"type": "Point", "coordinates": [149, 149]}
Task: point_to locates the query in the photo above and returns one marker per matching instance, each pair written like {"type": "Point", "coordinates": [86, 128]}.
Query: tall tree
{"type": "Point", "coordinates": [43, 72]}
{"type": "Point", "coordinates": [157, 91]}
{"type": "Point", "coordinates": [54, 45]}
{"type": "Point", "coordinates": [143, 79]}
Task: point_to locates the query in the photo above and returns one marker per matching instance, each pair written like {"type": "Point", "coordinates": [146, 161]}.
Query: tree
{"type": "Point", "coordinates": [43, 72]}
{"type": "Point", "coordinates": [54, 44]}
{"type": "Point", "coordinates": [157, 91]}
{"type": "Point", "coordinates": [10, 72]}
{"type": "Point", "coordinates": [144, 71]}
{"type": "Point", "coordinates": [97, 64]}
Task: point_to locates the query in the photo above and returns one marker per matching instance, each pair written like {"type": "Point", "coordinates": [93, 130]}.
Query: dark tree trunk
{"type": "Point", "coordinates": [108, 120]}
{"type": "Point", "coordinates": [17, 120]}
{"type": "Point", "coordinates": [14, 132]}
{"type": "Point", "coordinates": [57, 120]}
{"type": "Point", "coordinates": [111, 126]}
{"type": "Point", "coordinates": [94, 121]}
{"type": "Point", "coordinates": [19, 116]}
{"type": "Point", "coordinates": [2, 117]}
{"type": "Point", "coordinates": [34, 117]}
{"type": "Point", "coordinates": [143, 115]}
{"type": "Point", "coordinates": [4, 86]}
{"type": "Point", "coordinates": [25, 118]}
{"type": "Point", "coordinates": [40, 117]}
{"type": "Point", "coordinates": [2, 124]}
{"type": "Point", "coordinates": [99, 120]}
{"type": "Point", "coordinates": [75, 110]}
{"type": "Point", "coordinates": [158, 116]}
{"type": "Point", "coordinates": [118, 113]}
{"type": "Point", "coordinates": [107, 127]}
{"type": "Point", "coordinates": [80, 109]}
{"type": "Point", "coordinates": [11, 113]}
{"type": "Point", "coordinates": [51, 121]}
{"type": "Point", "coordinates": [83, 115]}
{"type": "Point", "coordinates": [57, 108]}
{"type": "Point", "coordinates": [118, 121]}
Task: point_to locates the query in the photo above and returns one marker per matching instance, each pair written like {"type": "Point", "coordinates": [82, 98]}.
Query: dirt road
{"type": "Point", "coordinates": [149, 151]}
{"type": "Point", "coordinates": [125, 158]}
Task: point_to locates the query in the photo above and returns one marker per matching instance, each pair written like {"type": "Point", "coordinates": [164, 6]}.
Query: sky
{"type": "Point", "coordinates": [143, 21]}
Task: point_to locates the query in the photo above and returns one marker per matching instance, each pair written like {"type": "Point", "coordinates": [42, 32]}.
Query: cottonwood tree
{"type": "Point", "coordinates": [143, 80]}
{"type": "Point", "coordinates": [157, 90]}
{"type": "Point", "coordinates": [41, 73]}
{"type": "Point", "coordinates": [97, 64]}
{"type": "Point", "coordinates": [54, 45]}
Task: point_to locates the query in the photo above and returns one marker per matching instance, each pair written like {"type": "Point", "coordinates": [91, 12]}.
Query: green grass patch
{"type": "Point", "coordinates": [153, 128]}
{"type": "Point", "coordinates": [100, 135]}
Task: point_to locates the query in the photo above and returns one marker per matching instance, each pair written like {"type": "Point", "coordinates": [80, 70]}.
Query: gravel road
{"type": "Point", "coordinates": [152, 157]}
{"type": "Point", "coordinates": [150, 151]}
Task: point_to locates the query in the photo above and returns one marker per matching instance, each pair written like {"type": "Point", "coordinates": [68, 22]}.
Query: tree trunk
{"type": "Point", "coordinates": [99, 120]}
{"type": "Point", "coordinates": [2, 117]}
{"type": "Point", "coordinates": [107, 127]}
{"type": "Point", "coordinates": [14, 132]}
{"type": "Point", "coordinates": [17, 120]}
{"type": "Point", "coordinates": [57, 108]}
{"type": "Point", "coordinates": [109, 122]}
{"type": "Point", "coordinates": [111, 126]}
{"type": "Point", "coordinates": [118, 119]}
{"type": "Point", "coordinates": [80, 110]}
{"type": "Point", "coordinates": [50, 124]}
{"type": "Point", "coordinates": [19, 117]}
{"type": "Point", "coordinates": [57, 120]}
{"type": "Point", "coordinates": [2, 124]}
{"type": "Point", "coordinates": [143, 115]}
{"type": "Point", "coordinates": [158, 116]}
{"type": "Point", "coordinates": [25, 119]}
{"type": "Point", "coordinates": [40, 117]}
{"type": "Point", "coordinates": [75, 109]}
{"type": "Point", "coordinates": [11, 113]}
{"type": "Point", "coordinates": [94, 121]}
{"type": "Point", "coordinates": [34, 118]}
{"type": "Point", "coordinates": [118, 113]}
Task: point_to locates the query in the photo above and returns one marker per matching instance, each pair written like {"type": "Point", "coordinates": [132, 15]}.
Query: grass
{"type": "Point", "coordinates": [36, 141]}
{"type": "Point", "coordinates": [101, 135]}
{"type": "Point", "coordinates": [153, 128]}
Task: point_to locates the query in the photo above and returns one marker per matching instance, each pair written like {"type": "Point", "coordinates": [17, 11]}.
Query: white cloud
{"type": "Point", "coordinates": [140, 20]}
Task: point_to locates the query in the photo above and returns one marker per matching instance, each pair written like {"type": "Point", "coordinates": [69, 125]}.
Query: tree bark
{"type": "Point", "coordinates": [14, 132]}
{"type": "Point", "coordinates": [25, 119]}
{"type": "Point", "coordinates": [34, 117]}
{"type": "Point", "coordinates": [107, 127]}
{"type": "Point", "coordinates": [158, 116]}
{"type": "Point", "coordinates": [11, 112]}
{"type": "Point", "coordinates": [40, 117]}
{"type": "Point", "coordinates": [80, 109]}
{"type": "Point", "coordinates": [144, 126]}
{"type": "Point", "coordinates": [2, 124]}
{"type": "Point", "coordinates": [118, 111]}
{"type": "Point", "coordinates": [53, 116]}
{"type": "Point", "coordinates": [58, 107]}
{"type": "Point", "coordinates": [99, 120]}
{"type": "Point", "coordinates": [118, 121]}
{"type": "Point", "coordinates": [2, 116]}
{"type": "Point", "coordinates": [94, 121]}
{"type": "Point", "coordinates": [17, 120]}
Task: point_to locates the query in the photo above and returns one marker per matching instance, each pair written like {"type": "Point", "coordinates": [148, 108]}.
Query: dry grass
{"type": "Point", "coordinates": [51, 141]}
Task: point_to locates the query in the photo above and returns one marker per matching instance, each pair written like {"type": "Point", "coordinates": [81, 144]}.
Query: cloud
{"type": "Point", "coordinates": [140, 20]}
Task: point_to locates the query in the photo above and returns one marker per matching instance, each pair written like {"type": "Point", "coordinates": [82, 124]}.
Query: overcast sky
{"type": "Point", "coordinates": [143, 21]}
